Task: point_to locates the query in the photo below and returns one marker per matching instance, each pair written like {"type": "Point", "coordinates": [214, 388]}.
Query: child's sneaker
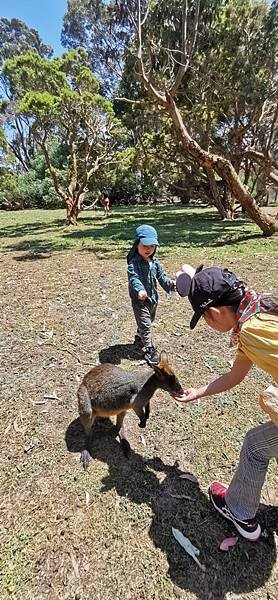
{"type": "Point", "coordinates": [249, 528]}
{"type": "Point", "coordinates": [151, 356]}
{"type": "Point", "coordinates": [138, 342]}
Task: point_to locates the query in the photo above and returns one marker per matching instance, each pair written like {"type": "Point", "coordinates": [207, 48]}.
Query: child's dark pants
{"type": "Point", "coordinates": [144, 313]}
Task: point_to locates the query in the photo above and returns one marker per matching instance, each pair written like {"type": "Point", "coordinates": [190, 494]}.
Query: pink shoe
{"type": "Point", "coordinates": [249, 528]}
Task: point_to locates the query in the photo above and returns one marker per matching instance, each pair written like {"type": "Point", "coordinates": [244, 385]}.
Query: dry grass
{"type": "Point", "coordinates": [106, 534]}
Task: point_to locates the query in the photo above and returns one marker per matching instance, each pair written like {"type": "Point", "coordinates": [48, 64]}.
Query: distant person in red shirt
{"type": "Point", "coordinates": [105, 203]}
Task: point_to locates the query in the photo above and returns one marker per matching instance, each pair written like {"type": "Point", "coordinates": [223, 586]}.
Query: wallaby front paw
{"type": "Point", "coordinates": [85, 458]}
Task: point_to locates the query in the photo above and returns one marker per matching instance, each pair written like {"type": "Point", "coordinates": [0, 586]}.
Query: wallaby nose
{"type": "Point", "coordinates": [178, 391]}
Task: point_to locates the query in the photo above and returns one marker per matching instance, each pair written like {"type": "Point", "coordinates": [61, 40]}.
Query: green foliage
{"type": "Point", "coordinates": [33, 192]}
{"type": "Point", "coordinates": [34, 189]}
{"type": "Point", "coordinates": [61, 98]}
{"type": "Point", "coordinates": [32, 72]}
{"type": "Point", "coordinates": [226, 98]}
{"type": "Point", "coordinates": [95, 25]}
{"type": "Point", "coordinates": [17, 38]}
{"type": "Point", "coordinates": [3, 140]}
{"type": "Point", "coordinates": [8, 185]}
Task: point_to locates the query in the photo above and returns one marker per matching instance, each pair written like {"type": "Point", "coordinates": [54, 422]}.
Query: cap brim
{"type": "Point", "coordinates": [199, 268]}
{"type": "Point", "coordinates": [148, 241]}
{"type": "Point", "coordinates": [196, 317]}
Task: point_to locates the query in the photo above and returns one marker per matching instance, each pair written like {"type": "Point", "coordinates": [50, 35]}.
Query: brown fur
{"type": "Point", "coordinates": [108, 390]}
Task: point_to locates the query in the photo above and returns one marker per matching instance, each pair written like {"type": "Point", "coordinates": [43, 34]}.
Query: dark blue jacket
{"type": "Point", "coordinates": [142, 276]}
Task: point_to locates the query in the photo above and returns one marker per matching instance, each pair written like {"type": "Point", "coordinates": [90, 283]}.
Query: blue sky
{"type": "Point", "coordinates": [44, 15]}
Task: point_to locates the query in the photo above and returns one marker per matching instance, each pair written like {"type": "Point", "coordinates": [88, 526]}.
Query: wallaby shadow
{"type": "Point", "coordinates": [115, 354]}
{"type": "Point", "coordinates": [177, 502]}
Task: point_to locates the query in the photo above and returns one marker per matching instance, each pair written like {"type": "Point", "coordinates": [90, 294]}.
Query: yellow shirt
{"type": "Point", "coordinates": [258, 342]}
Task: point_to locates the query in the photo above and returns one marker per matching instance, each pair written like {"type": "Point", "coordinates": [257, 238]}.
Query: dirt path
{"type": "Point", "coordinates": [106, 534]}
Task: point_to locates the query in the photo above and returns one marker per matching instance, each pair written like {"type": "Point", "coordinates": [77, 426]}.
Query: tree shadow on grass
{"type": "Point", "coordinates": [179, 503]}
{"type": "Point", "coordinates": [35, 250]}
{"type": "Point", "coordinates": [24, 229]}
{"type": "Point", "coordinates": [115, 354]}
{"type": "Point", "coordinates": [192, 229]}
{"type": "Point", "coordinates": [176, 227]}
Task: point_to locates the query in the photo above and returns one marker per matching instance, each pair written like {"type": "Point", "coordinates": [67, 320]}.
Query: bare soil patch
{"type": "Point", "coordinates": [106, 534]}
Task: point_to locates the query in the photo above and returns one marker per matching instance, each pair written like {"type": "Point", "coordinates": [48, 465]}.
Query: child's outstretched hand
{"type": "Point", "coordinates": [188, 395]}
{"type": "Point", "coordinates": [173, 284]}
{"type": "Point", "coordinates": [142, 295]}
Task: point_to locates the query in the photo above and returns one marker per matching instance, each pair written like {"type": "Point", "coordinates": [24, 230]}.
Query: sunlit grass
{"type": "Point", "coordinates": [196, 232]}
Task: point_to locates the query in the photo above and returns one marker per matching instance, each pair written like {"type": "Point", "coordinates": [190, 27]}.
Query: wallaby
{"type": "Point", "coordinates": [109, 390]}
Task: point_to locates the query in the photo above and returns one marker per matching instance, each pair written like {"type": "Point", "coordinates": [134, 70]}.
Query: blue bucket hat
{"type": "Point", "coordinates": [147, 235]}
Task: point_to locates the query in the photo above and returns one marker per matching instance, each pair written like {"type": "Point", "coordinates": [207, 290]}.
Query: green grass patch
{"type": "Point", "coordinates": [39, 233]}
{"type": "Point", "coordinates": [15, 569]}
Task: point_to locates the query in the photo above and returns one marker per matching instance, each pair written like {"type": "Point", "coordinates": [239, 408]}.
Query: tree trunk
{"type": "Point", "coordinates": [224, 168]}
{"type": "Point", "coordinates": [72, 211]}
{"type": "Point", "coordinates": [215, 194]}
{"type": "Point", "coordinates": [229, 202]}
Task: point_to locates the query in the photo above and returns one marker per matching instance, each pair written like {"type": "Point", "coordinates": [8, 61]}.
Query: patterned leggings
{"type": "Point", "coordinates": [259, 446]}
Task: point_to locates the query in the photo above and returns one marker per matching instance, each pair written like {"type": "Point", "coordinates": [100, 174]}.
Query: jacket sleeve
{"type": "Point", "coordinates": [134, 279]}
{"type": "Point", "coordinates": [162, 278]}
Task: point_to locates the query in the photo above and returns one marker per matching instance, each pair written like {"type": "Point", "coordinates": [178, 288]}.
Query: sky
{"type": "Point", "coordinates": [44, 15]}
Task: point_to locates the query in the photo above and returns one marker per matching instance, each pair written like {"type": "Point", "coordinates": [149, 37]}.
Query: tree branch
{"type": "Point", "coordinates": [186, 55]}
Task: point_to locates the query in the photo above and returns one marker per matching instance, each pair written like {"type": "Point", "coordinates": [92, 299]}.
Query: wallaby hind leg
{"type": "Point", "coordinates": [122, 434]}
{"type": "Point", "coordinates": [87, 422]}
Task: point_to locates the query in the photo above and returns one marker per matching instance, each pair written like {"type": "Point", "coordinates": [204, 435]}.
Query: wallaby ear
{"type": "Point", "coordinates": [163, 359]}
{"type": "Point", "coordinates": [157, 369]}
{"type": "Point", "coordinates": [162, 365]}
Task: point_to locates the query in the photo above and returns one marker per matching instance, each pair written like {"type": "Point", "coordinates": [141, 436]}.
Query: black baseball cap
{"type": "Point", "coordinates": [209, 287]}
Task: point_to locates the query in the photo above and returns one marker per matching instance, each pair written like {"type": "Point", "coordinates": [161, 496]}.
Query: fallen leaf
{"type": "Point", "coordinates": [7, 429]}
{"type": "Point", "coordinates": [143, 439]}
{"type": "Point", "coordinates": [74, 564]}
{"type": "Point", "coordinates": [182, 496]}
{"type": "Point", "coordinates": [29, 448]}
{"type": "Point", "coordinates": [34, 402]}
{"type": "Point", "coordinates": [189, 477]}
{"type": "Point", "coordinates": [51, 397]}
{"type": "Point", "coordinates": [47, 335]}
{"type": "Point", "coordinates": [18, 429]}
{"type": "Point", "coordinates": [187, 545]}
{"type": "Point", "coordinates": [228, 543]}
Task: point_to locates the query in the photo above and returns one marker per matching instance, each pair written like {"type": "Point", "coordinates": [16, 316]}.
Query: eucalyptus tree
{"type": "Point", "coordinates": [17, 38]}
{"type": "Point", "coordinates": [207, 67]}
{"type": "Point", "coordinates": [61, 98]}
{"type": "Point", "coordinates": [183, 32]}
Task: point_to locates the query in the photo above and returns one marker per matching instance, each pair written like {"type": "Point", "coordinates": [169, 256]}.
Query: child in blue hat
{"type": "Point", "coordinates": [144, 270]}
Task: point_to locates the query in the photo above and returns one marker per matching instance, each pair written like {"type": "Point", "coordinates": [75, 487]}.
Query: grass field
{"type": "Point", "coordinates": [106, 534]}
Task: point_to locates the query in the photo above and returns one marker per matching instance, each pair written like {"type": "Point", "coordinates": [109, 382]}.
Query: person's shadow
{"type": "Point", "coordinates": [115, 354]}
{"type": "Point", "coordinates": [179, 503]}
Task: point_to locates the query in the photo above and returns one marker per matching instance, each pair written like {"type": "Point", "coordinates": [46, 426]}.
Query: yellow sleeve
{"type": "Point", "coordinates": [241, 354]}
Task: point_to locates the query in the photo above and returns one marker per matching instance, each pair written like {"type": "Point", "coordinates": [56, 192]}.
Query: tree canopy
{"type": "Point", "coordinates": [61, 97]}
{"type": "Point", "coordinates": [181, 99]}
